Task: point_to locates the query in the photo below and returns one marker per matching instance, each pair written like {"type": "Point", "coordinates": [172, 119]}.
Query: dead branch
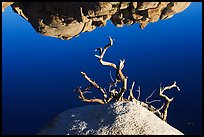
{"type": "Point", "coordinates": [111, 77]}
{"type": "Point", "coordinates": [122, 90]}
{"type": "Point", "coordinates": [94, 84]}
{"type": "Point", "coordinates": [111, 97]}
{"type": "Point", "coordinates": [131, 96]}
{"type": "Point", "coordinates": [118, 95]}
{"type": "Point", "coordinates": [157, 110]}
{"type": "Point", "coordinates": [83, 98]}
{"type": "Point", "coordinates": [87, 89]}
{"type": "Point", "coordinates": [113, 82]}
{"type": "Point", "coordinates": [168, 100]}
{"type": "Point", "coordinates": [138, 93]}
{"type": "Point", "coordinates": [102, 53]}
{"type": "Point", "coordinates": [151, 96]}
{"type": "Point", "coordinates": [118, 69]}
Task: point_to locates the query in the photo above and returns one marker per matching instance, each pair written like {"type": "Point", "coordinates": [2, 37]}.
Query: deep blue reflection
{"type": "Point", "coordinates": [40, 73]}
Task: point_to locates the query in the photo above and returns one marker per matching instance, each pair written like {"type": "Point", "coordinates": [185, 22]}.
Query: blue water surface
{"type": "Point", "coordinates": [40, 73]}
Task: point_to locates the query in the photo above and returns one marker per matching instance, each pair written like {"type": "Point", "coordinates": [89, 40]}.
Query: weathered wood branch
{"type": "Point", "coordinates": [168, 100]}
{"type": "Point", "coordinates": [157, 110]}
{"type": "Point", "coordinates": [102, 53]}
{"type": "Point", "coordinates": [131, 96]}
{"type": "Point", "coordinates": [83, 98]}
{"type": "Point", "coordinates": [122, 90]}
{"type": "Point", "coordinates": [138, 97]}
{"type": "Point", "coordinates": [118, 95]}
{"type": "Point", "coordinates": [118, 68]}
{"type": "Point", "coordinates": [95, 84]}
{"type": "Point", "coordinates": [149, 102]}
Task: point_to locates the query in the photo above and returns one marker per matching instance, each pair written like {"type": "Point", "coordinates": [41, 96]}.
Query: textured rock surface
{"type": "Point", "coordinates": [109, 119]}
{"type": "Point", "coordinates": [68, 19]}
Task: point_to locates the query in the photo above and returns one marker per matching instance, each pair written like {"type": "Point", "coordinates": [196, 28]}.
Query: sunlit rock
{"type": "Point", "coordinates": [5, 5]}
{"type": "Point", "coordinates": [147, 5]}
{"type": "Point", "coordinates": [134, 4]}
{"type": "Point", "coordinates": [124, 5]}
{"type": "Point", "coordinates": [66, 20]}
{"type": "Point", "coordinates": [110, 119]}
{"type": "Point", "coordinates": [173, 8]}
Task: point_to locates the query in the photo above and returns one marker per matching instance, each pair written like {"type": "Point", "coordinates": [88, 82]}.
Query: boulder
{"type": "Point", "coordinates": [66, 20]}
{"type": "Point", "coordinates": [117, 118]}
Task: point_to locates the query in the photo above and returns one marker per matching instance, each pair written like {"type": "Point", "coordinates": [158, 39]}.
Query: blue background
{"type": "Point", "coordinates": [39, 73]}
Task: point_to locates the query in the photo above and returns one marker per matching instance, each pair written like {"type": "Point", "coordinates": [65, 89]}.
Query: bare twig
{"type": "Point", "coordinates": [169, 87]}
{"type": "Point", "coordinates": [94, 84]}
{"type": "Point", "coordinates": [138, 93]}
{"type": "Point", "coordinates": [118, 69]}
{"type": "Point", "coordinates": [151, 96]}
{"type": "Point", "coordinates": [121, 64]}
{"type": "Point", "coordinates": [118, 94]}
{"type": "Point", "coordinates": [88, 88]}
{"type": "Point", "coordinates": [102, 53]}
{"type": "Point", "coordinates": [157, 111]}
{"type": "Point", "coordinates": [168, 100]}
{"type": "Point", "coordinates": [111, 77]}
{"type": "Point", "coordinates": [123, 89]}
{"type": "Point", "coordinates": [81, 96]}
{"type": "Point", "coordinates": [159, 108]}
{"type": "Point", "coordinates": [131, 96]}
{"type": "Point", "coordinates": [111, 97]}
{"type": "Point", "coordinates": [113, 82]}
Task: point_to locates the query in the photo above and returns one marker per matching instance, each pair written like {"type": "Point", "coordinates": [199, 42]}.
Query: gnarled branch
{"type": "Point", "coordinates": [83, 98]}
{"type": "Point", "coordinates": [118, 68]}
{"type": "Point", "coordinates": [138, 93]}
{"type": "Point", "coordinates": [131, 96]}
{"type": "Point", "coordinates": [149, 102]}
{"type": "Point", "coordinates": [102, 53]}
{"type": "Point", "coordinates": [95, 84]}
{"type": "Point", "coordinates": [118, 95]}
{"type": "Point", "coordinates": [168, 100]}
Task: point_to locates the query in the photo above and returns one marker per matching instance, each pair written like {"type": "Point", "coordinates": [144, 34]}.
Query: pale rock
{"type": "Point", "coordinates": [110, 119]}
{"type": "Point", "coordinates": [134, 4]}
{"type": "Point", "coordinates": [65, 20]}
{"type": "Point", "coordinates": [173, 8]}
{"type": "Point", "coordinates": [124, 5]}
{"type": "Point", "coordinates": [147, 5]}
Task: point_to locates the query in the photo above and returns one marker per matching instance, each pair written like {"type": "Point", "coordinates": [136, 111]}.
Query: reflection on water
{"type": "Point", "coordinates": [68, 19]}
